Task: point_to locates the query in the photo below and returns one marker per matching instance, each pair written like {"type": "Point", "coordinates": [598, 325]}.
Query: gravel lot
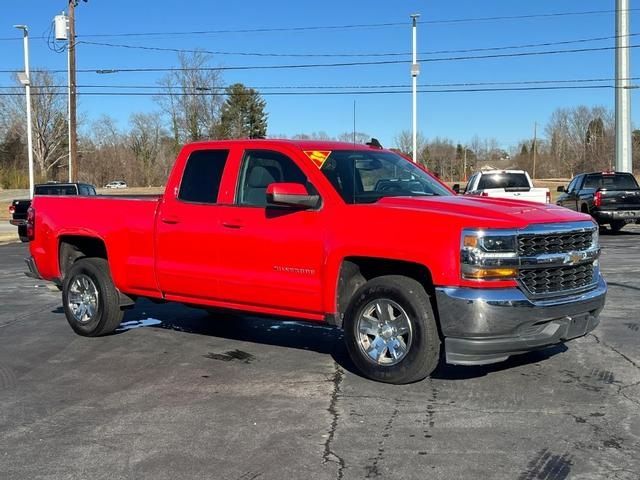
{"type": "Point", "coordinates": [179, 394]}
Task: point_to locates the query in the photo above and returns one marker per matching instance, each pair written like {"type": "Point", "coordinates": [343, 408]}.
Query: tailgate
{"type": "Point", "coordinates": [21, 207]}
{"type": "Point", "coordinates": [518, 193]}
{"type": "Point", "coordinates": [620, 199]}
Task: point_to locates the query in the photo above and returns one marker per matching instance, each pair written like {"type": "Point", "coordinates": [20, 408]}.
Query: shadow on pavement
{"type": "Point", "coordinates": [459, 372]}
{"type": "Point", "coordinates": [293, 334]}
{"type": "Point", "coordinates": [619, 233]}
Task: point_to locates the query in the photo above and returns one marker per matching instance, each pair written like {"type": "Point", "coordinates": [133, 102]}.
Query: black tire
{"type": "Point", "coordinates": [423, 353]}
{"type": "Point", "coordinates": [108, 314]}
{"type": "Point", "coordinates": [617, 225]}
{"type": "Point", "coordinates": [22, 233]}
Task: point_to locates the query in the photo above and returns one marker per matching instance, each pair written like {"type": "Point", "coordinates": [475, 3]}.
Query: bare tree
{"type": "Point", "coordinates": [581, 138]}
{"type": "Point", "coordinates": [360, 137]}
{"type": "Point", "coordinates": [404, 142]}
{"type": "Point", "coordinates": [191, 99]}
{"type": "Point", "coordinates": [144, 140]}
{"type": "Point", "coordinates": [321, 135]}
{"type": "Point", "coordinates": [442, 158]}
{"type": "Point", "coordinates": [49, 121]}
{"type": "Point", "coordinates": [105, 156]}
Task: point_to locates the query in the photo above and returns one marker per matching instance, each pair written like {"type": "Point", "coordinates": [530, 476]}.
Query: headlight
{"type": "Point", "coordinates": [486, 242]}
{"type": "Point", "coordinates": [595, 237]}
{"type": "Point", "coordinates": [489, 255]}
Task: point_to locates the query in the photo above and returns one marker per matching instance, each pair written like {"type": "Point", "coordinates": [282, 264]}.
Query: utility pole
{"type": "Point", "coordinates": [465, 164]}
{"type": "Point", "coordinates": [415, 71]}
{"type": "Point", "coordinates": [535, 146]}
{"type": "Point", "coordinates": [623, 107]}
{"type": "Point", "coordinates": [25, 79]}
{"type": "Point", "coordinates": [73, 133]}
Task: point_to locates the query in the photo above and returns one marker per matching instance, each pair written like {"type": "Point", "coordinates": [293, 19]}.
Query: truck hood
{"type": "Point", "coordinates": [486, 212]}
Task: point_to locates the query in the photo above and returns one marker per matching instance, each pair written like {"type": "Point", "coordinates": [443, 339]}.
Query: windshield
{"type": "Point", "coordinates": [360, 176]}
{"type": "Point", "coordinates": [503, 180]}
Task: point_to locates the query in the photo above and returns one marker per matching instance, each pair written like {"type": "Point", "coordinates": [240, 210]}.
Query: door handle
{"type": "Point", "coordinates": [232, 224]}
{"type": "Point", "coordinates": [170, 220]}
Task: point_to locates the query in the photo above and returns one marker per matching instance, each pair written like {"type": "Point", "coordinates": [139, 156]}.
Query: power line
{"type": "Point", "coordinates": [360, 92]}
{"type": "Point", "coordinates": [523, 17]}
{"type": "Point", "coordinates": [331, 55]}
{"type": "Point", "coordinates": [338, 87]}
{"type": "Point", "coordinates": [329, 65]}
{"type": "Point", "coordinates": [346, 26]}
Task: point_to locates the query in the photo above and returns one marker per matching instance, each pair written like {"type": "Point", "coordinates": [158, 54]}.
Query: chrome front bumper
{"type": "Point", "coordinates": [488, 325]}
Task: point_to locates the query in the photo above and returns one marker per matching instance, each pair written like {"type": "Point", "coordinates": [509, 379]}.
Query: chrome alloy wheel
{"type": "Point", "coordinates": [83, 298]}
{"type": "Point", "coordinates": [384, 332]}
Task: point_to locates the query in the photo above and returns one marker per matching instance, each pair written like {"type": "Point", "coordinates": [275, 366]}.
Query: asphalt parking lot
{"type": "Point", "coordinates": [180, 394]}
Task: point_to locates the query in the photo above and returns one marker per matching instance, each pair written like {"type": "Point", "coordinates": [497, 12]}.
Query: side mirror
{"type": "Point", "coordinates": [561, 189]}
{"type": "Point", "coordinates": [291, 195]}
{"type": "Point", "coordinates": [456, 188]}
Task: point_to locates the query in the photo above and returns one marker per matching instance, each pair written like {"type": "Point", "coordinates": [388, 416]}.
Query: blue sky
{"type": "Point", "coordinates": [507, 116]}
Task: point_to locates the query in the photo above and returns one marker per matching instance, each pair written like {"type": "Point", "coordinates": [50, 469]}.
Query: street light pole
{"type": "Point", "coordinates": [415, 71]}
{"type": "Point", "coordinates": [26, 81]}
{"type": "Point", "coordinates": [73, 135]}
{"type": "Point", "coordinates": [623, 106]}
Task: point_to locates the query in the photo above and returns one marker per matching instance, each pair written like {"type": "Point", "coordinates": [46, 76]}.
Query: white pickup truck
{"type": "Point", "coordinates": [514, 184]}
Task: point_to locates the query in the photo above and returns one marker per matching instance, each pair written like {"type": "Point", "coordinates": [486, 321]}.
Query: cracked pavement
{"type": "Point", "coordinates": [177, 393]}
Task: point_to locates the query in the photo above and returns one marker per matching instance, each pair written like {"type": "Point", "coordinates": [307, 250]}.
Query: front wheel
{"type": "Point", "coordinates": [391, 332]}
{"type": "Point", "coordinates": [90, 299]}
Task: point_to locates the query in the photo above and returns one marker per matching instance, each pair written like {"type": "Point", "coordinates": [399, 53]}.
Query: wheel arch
{"type": "Point", "coordinates": [73, 247]}
{"type": "Point", "coordinates": [355, 271]}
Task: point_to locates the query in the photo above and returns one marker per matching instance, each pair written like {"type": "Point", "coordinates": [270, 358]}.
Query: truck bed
{"type": "Point", "coordinates": [128, 234]}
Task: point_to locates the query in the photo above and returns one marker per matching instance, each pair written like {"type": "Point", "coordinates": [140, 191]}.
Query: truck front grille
{"type": "Point", "coordinates": [540, 281]}
{"type": "Point", "coordinates": [530, 245]}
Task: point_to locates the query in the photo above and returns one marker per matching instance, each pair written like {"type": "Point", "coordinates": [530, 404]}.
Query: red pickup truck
{"type": "Point", "coordinates": [354, 236]}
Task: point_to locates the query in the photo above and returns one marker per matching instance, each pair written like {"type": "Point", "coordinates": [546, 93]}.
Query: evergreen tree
{"type": "Point", "coordinates": [243, 114]}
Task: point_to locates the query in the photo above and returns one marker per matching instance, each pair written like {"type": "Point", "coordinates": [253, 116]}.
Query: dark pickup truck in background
{"type": "Point", "coordinates": [19, 208]}
{"type": "Point", "coordinates": [611, 198]}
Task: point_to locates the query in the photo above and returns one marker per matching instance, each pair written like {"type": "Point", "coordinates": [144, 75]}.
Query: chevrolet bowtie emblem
{"type": "Point", "coordinates": [574, 258]}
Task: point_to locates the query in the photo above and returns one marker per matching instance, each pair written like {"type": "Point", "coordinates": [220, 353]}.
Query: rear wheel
{"type": "Point", "coordinates": [22, 233]}
{"type": "Point", "coordinates": [617, 225]}
{"type": "Point", "coordinates": [89, 298]}
{"type": "Point", "coordinates": [390, 330]}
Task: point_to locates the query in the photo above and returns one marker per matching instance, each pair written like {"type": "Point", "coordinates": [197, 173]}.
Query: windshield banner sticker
{"type": "Point", "coordinates": [318, 157]}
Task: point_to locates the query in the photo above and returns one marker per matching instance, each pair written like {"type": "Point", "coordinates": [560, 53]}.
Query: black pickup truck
{"type": "Point", "coordinates": [19, 208]}
{"type": "Point", "coordinates": [612, 198]}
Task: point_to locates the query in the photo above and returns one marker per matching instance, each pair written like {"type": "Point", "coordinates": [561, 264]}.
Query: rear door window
{"type": "Point", "coordinates": [202, 176]}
